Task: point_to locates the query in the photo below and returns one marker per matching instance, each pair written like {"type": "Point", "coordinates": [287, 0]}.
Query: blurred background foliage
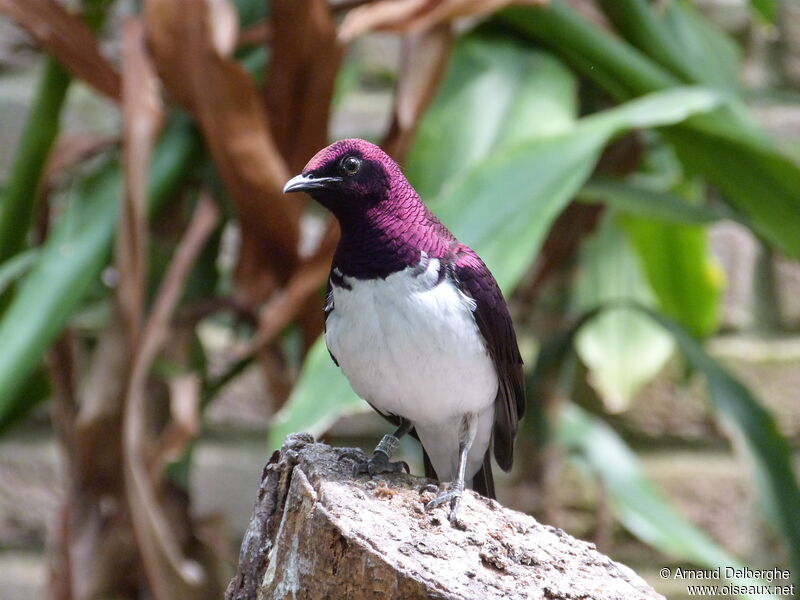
{"type": "Point", "coordinates": [609, 159]}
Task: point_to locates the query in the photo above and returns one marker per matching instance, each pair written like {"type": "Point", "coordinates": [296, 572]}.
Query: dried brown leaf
{"type": "Point", "coordinates": [306, 56]}
{"type": "Point", "coordinates": [229, 110]}
{"type": "Point", "coordinates": [184, 394]}
{"type": "Point", "coordinates": [167, 569]}
{"type": "Point", "coordinates": [69, 39]}
{"type": "Point", "coordinates": [285, 306]}
{"type": "Point", "coordinates": [260, 33]}
{"type": "Point", "coordinates": [142, 116]}
{"type": "Point", "coordinates": [224, 26]}
{"type": "Point", "coordinates": [401, 16]}
{"type": "Point", "coordinates": [71, 149]}
{"type": "Point", "coordinates": [277, 375]}
{"type": "Point", "coordinates": [424, 60]}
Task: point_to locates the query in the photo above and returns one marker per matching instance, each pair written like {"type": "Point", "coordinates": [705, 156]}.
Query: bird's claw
{"type": "Point", "coordinates": [453, 496]}
{"type": "Point", "coordinates": [429, 487]}
{"type": "Point", "coordinates": [379, 463]}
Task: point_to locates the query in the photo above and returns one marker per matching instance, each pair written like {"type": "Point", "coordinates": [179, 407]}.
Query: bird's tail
{"type": "Point", "coordinates": [483, 482]}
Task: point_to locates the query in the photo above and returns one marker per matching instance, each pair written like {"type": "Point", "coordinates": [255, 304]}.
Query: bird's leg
{"type": "Point", "coordinates": [456, 488]}
{"type": "Point", "coordinates": [379, 462]}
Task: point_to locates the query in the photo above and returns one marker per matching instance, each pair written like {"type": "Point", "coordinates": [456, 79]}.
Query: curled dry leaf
{"type": "Point", "coordinates": [424, 60]}
{"type": "Point", "coordinates": [227, 105]}
{"type": "Point", "coordinates": [260, 33]}
{"type": "Point", "coordinates": [184, 404]}
{"type": "Point", "coordinates": [142, 116]}
{"type": "Point", "coordinates": [225, 26]}
{"type": "Point", "coordinates": [402, 16]}
{"type": "Point", "coordinates": [306, 56]}
{"type": "Point", "coordinates": [169, 572]}
{"type": "Point", "coordinates": [285, 306]}
{"type": "Point", "coordinates": [71, 149]}
{"type": "Point", "coordinates": [69, 39]}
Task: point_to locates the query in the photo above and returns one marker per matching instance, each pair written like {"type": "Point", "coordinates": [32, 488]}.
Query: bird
{"type": "Point", "coordinates": [417, 323]}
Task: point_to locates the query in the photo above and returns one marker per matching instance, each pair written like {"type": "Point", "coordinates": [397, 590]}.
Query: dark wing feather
{"type": "Point", "coordinates": [494, 322]}
{"type": "Point", "coordinates": [328, 310]}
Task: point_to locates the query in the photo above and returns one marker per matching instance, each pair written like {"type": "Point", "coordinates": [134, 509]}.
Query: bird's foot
{"type": "Point", "coordinates": [451, 495]}
{"type": "Point", "coordinates": [378, 463]}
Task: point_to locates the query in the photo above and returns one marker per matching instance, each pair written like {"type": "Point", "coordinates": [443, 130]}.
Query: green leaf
{"type": "Point", "coordinates": [33, 391]}
{"type": "Point", "coordinates": [622, 348]}
{"type": "Point", "coordinates": [71, 259]}
{"type": "Point", "coordinates": [686, 279]}
{"type": "Point", "coordinates": [725, 146]}
{"type": "Point", "coordinates": [756, 179]}
{"type": "Point", "coordinates": [765, 10]}
{"type": "Point", "coordinates": [771, 453]}
{"type": "Point", "coordinates": [503, 207]}
{"type": "Point", "coordinates": [676, 36]}
{"type": "Point", "coordinates": [322, 395]}
{"type": "Point", "coordinates": [496, 91]}
{"type": "Point", "coordinates": [69, 263]}
{"type": "Point", "coordinates": [20, 196]}
{"type": "Point", "coordinates": [16, 266]}
{"type": "Point", "coordinates": [635, 500]}
{"type": "Point", "coordinates": [614, 64]}
{"type": "Point", "coordinates": [672, 247]}
{"type": "Point", "coordinates": [646, 202]}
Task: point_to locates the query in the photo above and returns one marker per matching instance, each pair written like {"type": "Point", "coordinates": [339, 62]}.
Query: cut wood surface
{"type": "Point", "coordinates": [319, 532]}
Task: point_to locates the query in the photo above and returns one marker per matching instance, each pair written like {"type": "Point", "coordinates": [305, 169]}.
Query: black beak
{"type": "Point", "coordinates": [309, 183]}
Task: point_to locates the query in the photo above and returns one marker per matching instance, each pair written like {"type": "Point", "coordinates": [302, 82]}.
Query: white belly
{"type": "Point", "coordinates": [411, 348]}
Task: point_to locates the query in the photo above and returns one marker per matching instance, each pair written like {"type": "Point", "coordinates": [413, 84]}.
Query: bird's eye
{"type": "Point", "coordinates": [351, 165]}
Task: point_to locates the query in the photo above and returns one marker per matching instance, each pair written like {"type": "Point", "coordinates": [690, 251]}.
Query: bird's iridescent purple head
{"type": "Point", "coordinates": [385, 226]}
{"type": "Point", "coordinates": [349, 175]}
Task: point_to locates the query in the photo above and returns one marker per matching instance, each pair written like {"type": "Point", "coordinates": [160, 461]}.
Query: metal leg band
{"type": "Point", "coordinates": [388, 445]}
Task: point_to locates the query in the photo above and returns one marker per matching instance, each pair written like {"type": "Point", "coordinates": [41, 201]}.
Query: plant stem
{"type": "Point", "coordinates": [18, 204]}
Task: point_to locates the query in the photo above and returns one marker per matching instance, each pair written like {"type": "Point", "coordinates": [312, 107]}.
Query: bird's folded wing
{"type": "Point", "coordinates": [491, 313]}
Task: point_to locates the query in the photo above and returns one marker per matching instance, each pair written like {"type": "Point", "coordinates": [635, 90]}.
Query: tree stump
{"type": "Point", "coordinates": [319, 532]}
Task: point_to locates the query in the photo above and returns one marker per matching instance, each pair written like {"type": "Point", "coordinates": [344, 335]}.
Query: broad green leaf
{"type": "Point", "coordinates": [736, 406]}
{"type": "Point", "coordinates": [622, 348]}
{"type": "Point", "coordinates": [71, 260]}
{"type": "Point", "coordinates": [676, 36]}
{"type": "Point", "coordinates": [680, 269]}
{"type": "Point", "coordinates": [16, 266]}
{"type": "Point", "coordinates": [321, 395]}
{"type": "Point", "coordinates": [766, 10]}
{"type": "Point", "coordinates": [757, 180]}
{"type": "Point", "coordinates": [672, 247]}
{"type": "Point", "coordinates": [635, 500]}
{"type": "Point", "coordinates": [614, 64]}
{"type": "Point", "coordinates": [633, 199]}
{"type": "Point", "coordinates": [503, 208]}
{"type": "Point", "coordinates": [496, 91]}
{"type": "Point", "coordinates": [725, 146]}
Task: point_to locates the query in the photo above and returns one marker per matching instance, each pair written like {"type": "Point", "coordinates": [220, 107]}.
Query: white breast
{"type": "Point", "coordinates": [412, 348]}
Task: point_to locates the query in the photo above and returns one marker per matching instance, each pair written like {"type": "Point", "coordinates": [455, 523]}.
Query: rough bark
{"type": "Point", "coordinates": [319, 532]}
